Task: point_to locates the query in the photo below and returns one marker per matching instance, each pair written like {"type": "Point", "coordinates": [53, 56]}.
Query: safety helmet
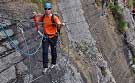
{"type": "Point", "coordinates": [47, 5]}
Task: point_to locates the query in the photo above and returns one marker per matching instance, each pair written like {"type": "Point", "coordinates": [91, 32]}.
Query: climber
{"type": "Point", "coordinates": [103, 2]}
{"type": "Point", "coordinates": [50, 33]}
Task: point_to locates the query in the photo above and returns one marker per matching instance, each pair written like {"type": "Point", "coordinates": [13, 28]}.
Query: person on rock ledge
{"type": "Point", "coordinates": [51, 26]}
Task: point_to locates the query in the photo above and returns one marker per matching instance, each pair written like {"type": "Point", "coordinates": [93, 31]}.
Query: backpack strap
{"type": "Point", "coordinates": [43, 17]}
{"type": "Point", "coordinates": [53, 22]}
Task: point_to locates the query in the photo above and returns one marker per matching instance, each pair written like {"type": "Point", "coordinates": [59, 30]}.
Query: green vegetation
{"type": "Point", "coordinates": [133, 3]}
{"type": "Point", "coordinates": [133, 60]}
{"type": "Point", "coordinates": [98, 2]}
{"type": "Point", "coordinates": [117, 12]}
{"type": "Point", "coordinates": [130, 3]}
{"type": "Point", "coordinates": [122, 26]}
{"type": "Point", "coordinates": [39, 3]}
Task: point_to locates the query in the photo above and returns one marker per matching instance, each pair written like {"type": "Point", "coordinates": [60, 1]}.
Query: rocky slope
{"type": "Point", "coordinates": [108, 41]}
{"type": "Point", "coordinates": [84, 17]}
{"type": "Point", "coordinates": [16, 67]}
{"type": "Point", "coordinates": [91, 49]}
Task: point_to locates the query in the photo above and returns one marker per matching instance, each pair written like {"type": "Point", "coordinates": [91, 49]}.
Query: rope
{"type": "Point", "coordinates": [40, 23]}
{"type": "Point", "coordinates": [28, 53]}
{"type": "Point", "coordinates": [16, 47]}
{"type": "Point", "coordinates": [29, 58]}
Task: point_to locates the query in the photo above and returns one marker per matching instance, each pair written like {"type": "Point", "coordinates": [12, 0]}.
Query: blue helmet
{"type": "Point", "coordinates": [47, 5]}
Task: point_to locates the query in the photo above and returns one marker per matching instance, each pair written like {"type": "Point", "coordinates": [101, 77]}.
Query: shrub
{"type": "Point", "coordinates": [133, 3]}
{"type": "Point", "coordinates": [98, 2]}
{"type": "Point", "coordinates": [36, 1]}
{"type": "Point", "coordinates": [118, 16]}
{"type": "Point", "coordinates": [40, 4]}
{"type": "Point", "coordinates": [133, 58]}
{"type": "Point", "coordinates": [130, 3]}
{"type": "Point", "coordinates": [122, 26]}
{"type": "Point", "coordinates": [116, 11]}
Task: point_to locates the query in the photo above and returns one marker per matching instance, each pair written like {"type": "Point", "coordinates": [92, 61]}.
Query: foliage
{"type": "Point", "coordinates": [118, 16]}
{"type": "Point", "coordinates": [133, 3]}
{"type": "Point", "coordinates": [37, 1]}
{"type": "Point", "coordinates": [40, 4]}
{"type": "Point", "coordinates": [116, 11]}
{"type": "Point", "coordinates": [133, 60]}
{"type": "Point", "coordinates": [98, 2]}
{"type": "Point", "coordinates": [122, 25]}
{"type": "Point", "coordinates": [130, 3]}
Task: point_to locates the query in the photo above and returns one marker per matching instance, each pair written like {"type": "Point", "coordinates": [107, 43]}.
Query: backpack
{"type": "Point", "coordinates": [53, 22]}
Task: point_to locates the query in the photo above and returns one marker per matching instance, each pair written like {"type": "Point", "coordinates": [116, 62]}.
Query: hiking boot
{"type": "Point", "coordinates": [53, 66]}
{"type": "Point", "coordinates": [45, 70]}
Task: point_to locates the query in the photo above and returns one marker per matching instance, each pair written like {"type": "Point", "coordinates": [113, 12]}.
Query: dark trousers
{"type": "Point", "coordinates": [52, 42]}
{"type": "Point", "coordinates": [103, 8]}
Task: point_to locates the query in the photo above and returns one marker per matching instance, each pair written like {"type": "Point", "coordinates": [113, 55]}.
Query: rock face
{"type": "Point", "coordinates": [79, 62]}
{"type": "Point", "coordinates": [11, 65]}
{"type": "Point", "coordinates": [130, 34]}
{"type": "Point", "coordinates": [108, 42]}
{"type": "Point", "coordinates": [87, 31]}
{"type": "Point", "coordinates": [7, 75]}
{"type": "Point", "coordinates": [9, 33]}
{"type": "Point", "coordinates": [9, 59]}
{"type": "Point", "coordinates": [15, 68]}
{"type": "Point", "coordinates": [82, 40]}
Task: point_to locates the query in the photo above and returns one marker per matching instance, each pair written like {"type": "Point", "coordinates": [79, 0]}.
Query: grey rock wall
{"type": "Point", "coordinates": [11, 64]}
{"type": "Point", "coordinates": [81, 39]}
{"type": "Point", "coordinates": [82, 42]}
{"type": "Point", "coordinates": [107, 41]}
{"type": "Point", "coordinates": [13, 61]}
